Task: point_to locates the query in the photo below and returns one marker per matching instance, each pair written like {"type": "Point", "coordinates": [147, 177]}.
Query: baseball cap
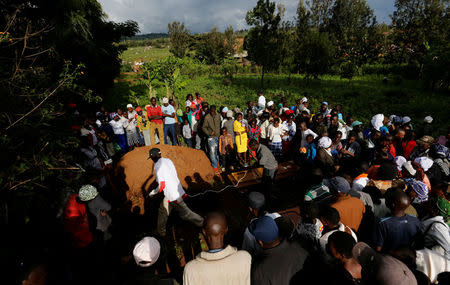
{"type": "Point", "coordinates": [383, 269]}
{"type": "Point", "coordinates": [426, 140]}
{"type": "Point", "coordinates": [325, 103]}
{"type": "Point", "coordinates": [129, 106]}
{"type": "Point", "coordinates": [154, 152]}
{"type": "Point", "coordinates": [270, 103]}
{"type": "Point", "coordinates": [146, 251]}
{"type": "Point", "coordinates": [165, 100]}
{"type": "Point", "coordinates": [264, 229]}
{"type": "Point", "coordinates": [339, 184]}
{"type": "Point", "coordinates": [428, 119]}
{"type": "Point", "coordinates": [256, 200]}
{"type": "Point", "coordinates": [304, 99]}
{"type": "Point", "coordinates": [225, 109]}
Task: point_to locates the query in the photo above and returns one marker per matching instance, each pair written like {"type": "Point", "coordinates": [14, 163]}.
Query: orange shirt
{"type": "Point", "coordinates": [351, 210]}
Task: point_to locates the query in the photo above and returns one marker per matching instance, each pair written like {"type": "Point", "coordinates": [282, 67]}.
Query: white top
{"type": "Point", "coordinates": [165, 171]}
{"type": "Point", "coordinates": [291, 128]}
{"type": "Point", "coordinates": [305, 134]}
{"type": "Point", "coordinates": [130, 126]}
{"type": "Point", "coordinates": [187, 131]}
{"type": "Point", "coordinates": [324, 239]}
{"type": "Point", "coordinates": [264, 129]}
{"type": "Point", "coordinates": [431, 263]}
{"type": "Point", "coordinates": [117, 127]}
{"type": "Point", "coordinates": [275, 133]}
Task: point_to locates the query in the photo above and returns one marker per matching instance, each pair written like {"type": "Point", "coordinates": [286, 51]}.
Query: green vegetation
{"type": "Point", "coordinates": [143, 53]}
{"type": "Point", "coordinates": [365, 96]}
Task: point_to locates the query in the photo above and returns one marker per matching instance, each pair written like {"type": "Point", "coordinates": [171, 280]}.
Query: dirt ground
{"type": "Point", "coordinates": [135, 177]}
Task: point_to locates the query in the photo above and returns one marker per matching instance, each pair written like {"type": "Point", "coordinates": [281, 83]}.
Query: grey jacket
{"type": "Point", "coordinates": [265, 157]}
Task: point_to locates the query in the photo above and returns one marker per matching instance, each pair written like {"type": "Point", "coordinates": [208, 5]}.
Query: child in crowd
{"type": "Point", "coordinates": [311, 149]}
{"type": "Point", "coordinates": [130, 128]}
{"type": "Point", "coordinates": [187, 133]}
{"type": "Point", "coordinates": [225, 148]}
{"type": "Point", "coordinates": [276, 131]}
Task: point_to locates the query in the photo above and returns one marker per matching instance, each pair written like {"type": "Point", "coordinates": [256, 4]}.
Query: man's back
{"type": "Point", "coordinates": [277, 265]}
{"type": "Point", "coordinates": [228, 266]}
{"type": "Point", "coordinates": [350, 210]}
{"type": "Point", "coordinates": [395, 231]}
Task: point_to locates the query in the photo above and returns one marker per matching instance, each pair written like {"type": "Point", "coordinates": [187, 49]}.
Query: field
{"type": "Point", "coordinates": [362, 97]}
{"type": "Point", "coordinates": [136, 53]}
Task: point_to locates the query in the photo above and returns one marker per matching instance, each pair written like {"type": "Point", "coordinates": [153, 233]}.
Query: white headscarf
{"type": "Point", "coordinates": [377, 121]}
{"type": "Point", "coordinates": [399, 160]}
{"type": "Point", "coordinates": [324, 142]}
{"type": "Point", "coordinates": [408, 166]}
{"type": "Point", "coordinates": [406, 119]}
{"type": "Point", "coordinates": [424, 162]}
{"type": "Point", "coordinates": [262, 101]}
{"type": "Point", "coordinates": [428, 119]}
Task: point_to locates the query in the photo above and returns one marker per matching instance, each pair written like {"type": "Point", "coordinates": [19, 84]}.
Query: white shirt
{"type": "Point", "coordinates": [264, 129]}
{"type": "Point", "coordinates": [305, 134]}
{"type": "Point", "coordinates": [165, 171]}
{"type": "Point", "coordinates": [291, 128]}
{"type": "Point", "coordinates": [117, 127]}
{"type": "Point", "coordinates": [324, 239]}
{"type": "Point", "coordinates": [187, 131]}
{"type": "Point", "coordinates": [431, 263]}
{"type": "Point", "coordinates": [275, 133]}
{"type": "Point", "coordinates": [130, 126]}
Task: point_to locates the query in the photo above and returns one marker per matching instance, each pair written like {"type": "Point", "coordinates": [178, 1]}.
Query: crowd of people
{"type": "Point", "coordinates": [374, 205]}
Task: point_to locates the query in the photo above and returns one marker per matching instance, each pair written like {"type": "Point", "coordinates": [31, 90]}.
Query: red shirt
{"type": "Point", "coordinates": [76, 223]}
{"type": "Point", "coordinates": [154, 111]}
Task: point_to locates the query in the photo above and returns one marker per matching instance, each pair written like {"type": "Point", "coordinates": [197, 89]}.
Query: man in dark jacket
{"type": "Point", "coordinates": [280, 259]}
{"type": "Point", "coordinates": [211, 128]}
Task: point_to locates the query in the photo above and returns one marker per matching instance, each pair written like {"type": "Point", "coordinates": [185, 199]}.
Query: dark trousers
{"type": "Point", "coordinates": [188, 142]}
{"type": "Point", "coordinates": [170, 130]}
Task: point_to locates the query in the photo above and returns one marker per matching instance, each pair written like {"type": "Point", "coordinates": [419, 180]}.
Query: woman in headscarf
{"type": "Point", "coordinates": [324, 158]}
{"type": "Point", "coordinates": [411, 169]}
{"type": "Point", "coordinates": [378, 121]}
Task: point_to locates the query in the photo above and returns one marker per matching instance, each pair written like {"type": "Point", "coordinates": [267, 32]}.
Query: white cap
{"type": "Point", "coordinates": [129, 106]}
{"type": "Point", "coordinates": [225, 109]}
{"type": "Point", "coordinates": [428, 119]}
{"type": "Point", "coordinates": [270, 103]}
{"type": "Point", "coordinates": [165, 100]}
{"type": "Point", "coordinates": [229, 114]}
{"type": "Point", "coordinates": [406, 119]}
{"type": "Point", "coordinates": [146, 250]}
{"type": "Point", "coordinates": [304, 99]}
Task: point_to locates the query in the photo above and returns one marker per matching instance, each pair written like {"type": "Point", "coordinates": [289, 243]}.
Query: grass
{"type": "Point", "coordinates": [363, 97]}
{"type": "Point", "coordinates": [139, 53]}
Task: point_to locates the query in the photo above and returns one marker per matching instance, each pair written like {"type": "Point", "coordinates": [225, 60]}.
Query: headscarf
{"type": "Point", "coordinates": [420, 188]}
{"type": "Point", "coordinates": [408, 166]}
{"type": "Point", "coordinates": [377, 121]}
{"type": "Point", "coordinates": [113, 115]}
{"type": "Point", "coordinates": [428, 119]}
{"type": "Point", "coordinates": [324, 142]}
{"type": "Point", "coordinates": [424, 162]}
{"type": "Point", "coordinates": [262, 101]}
{"type": "Point", "coordinates": [406, 119]}
{"type": "Point", "coordinates": [399, 161]}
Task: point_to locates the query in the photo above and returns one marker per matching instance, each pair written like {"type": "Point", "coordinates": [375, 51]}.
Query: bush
{"type": "Point", "coordinates": [348, 69]}
{"type": "Point", "coordinates": [126, 67]}
{"type": "Point", "coordinates": [404, 70]}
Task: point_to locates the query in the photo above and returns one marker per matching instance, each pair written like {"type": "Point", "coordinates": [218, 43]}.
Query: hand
{"type": "Point", "coordinates": [212, 133]}
{"type": "Point", "coordinates": [103, 213]}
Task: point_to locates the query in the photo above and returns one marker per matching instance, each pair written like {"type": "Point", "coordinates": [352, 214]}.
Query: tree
{"type": "Point", "coordinates": [54, 55]}
{"type": "Point", "coordinates": [214, 47]}
{"type": "Point", "coordinates": [350, 24]}
{"type": "Point", "coordinates": [418, 24]}
{"type": "Point", "coordinates": [179, 39]}
{"type": "Point", "coordinates": [316, 54]}
{"type": "Point", "coordinates": [320, 12]}
{"type": "Point", "coordinates": [262, 41]}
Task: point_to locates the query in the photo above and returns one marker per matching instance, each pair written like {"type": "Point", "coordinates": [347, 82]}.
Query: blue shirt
{"type": "Point", "coordinates": [396, 231]}
{"type": "Point", "coordinates": [169, 110]}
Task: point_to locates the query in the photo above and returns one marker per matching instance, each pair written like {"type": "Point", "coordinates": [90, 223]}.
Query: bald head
{"type": "Point", "coordinates": [215, 224]}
